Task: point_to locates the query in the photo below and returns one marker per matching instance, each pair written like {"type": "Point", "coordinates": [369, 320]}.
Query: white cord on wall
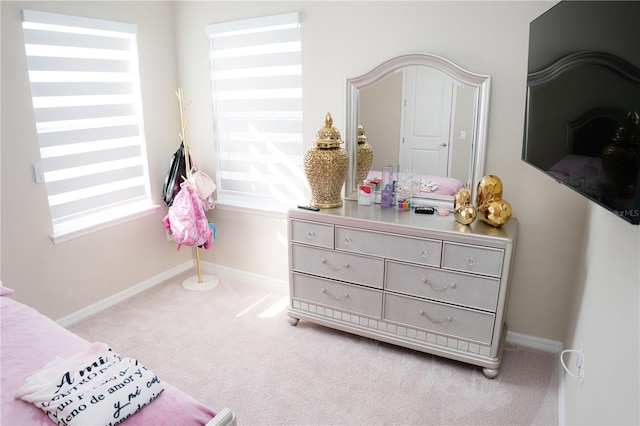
{"type": "Point", "coordinates": [579, 363]}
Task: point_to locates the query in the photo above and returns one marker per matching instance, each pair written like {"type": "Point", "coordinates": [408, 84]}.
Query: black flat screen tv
{"type": "Point", "coordinates": [583, 101]}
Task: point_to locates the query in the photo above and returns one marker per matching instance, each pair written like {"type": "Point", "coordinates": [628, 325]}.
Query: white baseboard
{"type": "Point", "coordinates": [539, 343]}
{"type": "Point", "coordinates": [123, 295]}
{"type": "Point", "coordinates": [561, 410]}
{"type": "Point", "coordinates": [232, 273]}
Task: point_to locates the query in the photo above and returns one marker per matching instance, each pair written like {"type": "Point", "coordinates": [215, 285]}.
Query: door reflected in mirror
{"type": "Point", "coordinates": [427, 119]}
{"type": "Point", "coordinates": [426, 114]}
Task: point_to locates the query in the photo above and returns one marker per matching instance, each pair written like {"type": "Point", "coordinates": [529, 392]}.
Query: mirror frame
{"type": "Point", "coordinates": [480, 117]}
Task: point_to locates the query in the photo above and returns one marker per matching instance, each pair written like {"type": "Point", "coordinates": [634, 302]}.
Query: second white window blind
{"type": "Point", "coordinates": [256, 77]}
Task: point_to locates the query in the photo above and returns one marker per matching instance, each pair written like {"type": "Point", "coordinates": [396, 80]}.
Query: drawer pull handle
{"type": "Point", "coordinates": [437, 321]}
{"type": "Point", "coordinates": [452, 285]}
{"type": "Point", "coordinates": [325, 291]}
{"type": "Point", "coordinates": [424, 253]}
{"type": "Point", "coordinates": [471, 261]}
{"type": "Point", "coordinates": [335, 268]}
{"type": "Point", "coordinates": [347, 241]}
{"type": "Point", "coordinates": [311, 235]}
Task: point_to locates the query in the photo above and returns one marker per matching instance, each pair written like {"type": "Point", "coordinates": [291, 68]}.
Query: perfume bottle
{"type": "Point", "coordinates": [387, 176]}
{"type": "Point", "coordinates": [386, 196]}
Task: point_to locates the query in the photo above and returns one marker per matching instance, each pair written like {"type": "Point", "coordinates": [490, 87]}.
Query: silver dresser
{"type": "Point", "coordinates": [424, 282]}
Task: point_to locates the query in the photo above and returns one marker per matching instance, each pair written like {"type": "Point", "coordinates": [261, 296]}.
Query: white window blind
{"type": "Point", "coordinates": [256, 78]}
{"type": "Point", "coordinates": [86, 98]}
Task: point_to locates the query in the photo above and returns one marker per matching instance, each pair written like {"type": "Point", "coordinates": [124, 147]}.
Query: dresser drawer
{"type": "Point", "coordinates": [340, 266]}
{"type": "Point", "coordinates": [419, 250]}
{"type": "Point", "coordinates": [439, 318]}
{"type": "Point", "coordinates": [452, 287]}
{"type": "Point", "coordinates": [475, 259]}
{"type": "Point", "coordinates": [317, 234]}
{"type": "Point", "coordinates": [338, 295]}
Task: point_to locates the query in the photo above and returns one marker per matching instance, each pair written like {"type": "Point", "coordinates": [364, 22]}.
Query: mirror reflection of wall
{"type": "Point", "coordinates": [380, 114]}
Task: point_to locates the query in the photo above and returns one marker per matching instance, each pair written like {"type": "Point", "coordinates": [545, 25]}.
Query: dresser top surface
{"type": "Point", "coordinates": [392, 219]}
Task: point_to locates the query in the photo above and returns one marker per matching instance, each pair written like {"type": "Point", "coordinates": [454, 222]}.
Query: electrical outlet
{"type": "Point", "coordinates": [580, 364]}
{"type": "Point", "coordinates": [37, 172]}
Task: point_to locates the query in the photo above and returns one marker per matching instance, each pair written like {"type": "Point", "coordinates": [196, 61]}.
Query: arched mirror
{"type": "Point", "coordinates": [428, 116]}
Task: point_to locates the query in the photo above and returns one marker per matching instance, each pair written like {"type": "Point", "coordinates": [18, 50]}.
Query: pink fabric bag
{"type": "Point", "coordinates": [203, 184]}
{"type": "Point", "coordinates": [186, 219]}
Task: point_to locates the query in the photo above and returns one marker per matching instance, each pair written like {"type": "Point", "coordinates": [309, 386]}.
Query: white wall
{"type": "Point", "coordinates": [605, 319]}
{"type": "Point", "coordinates": [63, 278]}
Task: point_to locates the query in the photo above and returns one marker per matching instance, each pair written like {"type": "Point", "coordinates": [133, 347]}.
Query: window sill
{"type": "Point", "coordinates": [89, 228]}
{"type": "Point", "coordinates": [251, 207]}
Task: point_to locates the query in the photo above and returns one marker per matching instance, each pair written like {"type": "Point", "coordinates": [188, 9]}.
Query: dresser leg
{"type": "Point", "coordinates": [293, 321]}
{"type": "Point", "coordinates": [490, 373]}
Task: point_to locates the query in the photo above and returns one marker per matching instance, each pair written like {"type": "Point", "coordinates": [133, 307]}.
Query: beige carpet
{"type": "Point", "coordinates": [232, 346]}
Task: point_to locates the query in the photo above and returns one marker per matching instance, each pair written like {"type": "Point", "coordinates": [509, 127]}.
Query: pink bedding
{"type": "Point", "coordinates": [445, 185]}
{"type": "Point", "coordinates": [572, 168]}
{"type": "Point", "coordinates": [30, 340]}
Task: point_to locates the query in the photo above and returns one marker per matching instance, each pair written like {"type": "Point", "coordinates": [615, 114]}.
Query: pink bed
{"type": "Point", "coordinates": [445, 185]}
{"type": "Point", "coordinates": [30, 340]}
{"type": "Point", "coordinates": [575, 170]}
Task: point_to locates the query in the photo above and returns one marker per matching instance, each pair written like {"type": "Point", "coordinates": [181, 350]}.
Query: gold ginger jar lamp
{"type": "Point", "coordinates": [365, 156]}
{"type": "Point", "coordinates": [326, 165]}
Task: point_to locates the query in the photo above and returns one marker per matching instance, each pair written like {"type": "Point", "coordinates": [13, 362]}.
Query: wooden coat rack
{"type": "Point", "coordinates": [199, 282]}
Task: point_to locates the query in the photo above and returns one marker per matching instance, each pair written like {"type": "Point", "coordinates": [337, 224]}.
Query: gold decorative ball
{"type": "Point", "coordinates": [465, 215]}
{"type": "Point", "coordinates": [462, 198]}
{"type": "Point", "coordinates": [495, 213]}
{"type": "Point", "coordinates": [489, 189]}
